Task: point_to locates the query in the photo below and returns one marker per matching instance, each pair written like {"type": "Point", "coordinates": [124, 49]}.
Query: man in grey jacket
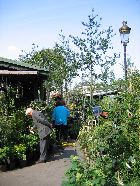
{"type": "Point", "coordinates": [44, 128]}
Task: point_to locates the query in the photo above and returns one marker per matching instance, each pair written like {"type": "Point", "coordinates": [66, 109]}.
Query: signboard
{"type": "Point", "coordinates": [97, 110]}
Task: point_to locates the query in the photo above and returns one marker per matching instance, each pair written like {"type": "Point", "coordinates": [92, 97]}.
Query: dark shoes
{"type": "Point", "coordinates": [40, 161]}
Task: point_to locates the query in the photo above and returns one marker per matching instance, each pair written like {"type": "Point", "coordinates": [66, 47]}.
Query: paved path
{"type": "Point", "coordinates": [45, 174]}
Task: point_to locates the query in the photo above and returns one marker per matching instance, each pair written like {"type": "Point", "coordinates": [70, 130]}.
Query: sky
{"type": "Point", "coordinates": [24, 22]}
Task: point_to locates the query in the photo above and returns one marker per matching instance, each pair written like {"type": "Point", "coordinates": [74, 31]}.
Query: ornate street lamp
{"type": "Point", "coordinates": [124, 33]}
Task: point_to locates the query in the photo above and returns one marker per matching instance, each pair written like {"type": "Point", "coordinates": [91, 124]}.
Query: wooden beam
{"type": "Point", "coordinates": [17, 72]}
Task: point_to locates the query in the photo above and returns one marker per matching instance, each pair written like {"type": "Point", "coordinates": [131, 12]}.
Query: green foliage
{"type": "Point", "coordinates": [82, 174]}
{"type": "Point", "coordinates": [12, 126]}
{"type": "Point", "coordinates": [4, 155]}
{"type": "Point", "coordinates": [31, 141]}
{"type": "Point", "coordinates": [14, 130]}
{"type": "Point", "coordinates": [7, 153]}
{"type": "Point", "coordinates": [60, 69]}
{"type": "Point", "coordinates": [112, 147]}
{"type": "Point", "coordinates": [20, 151]}
{"type": "Point", "coordinates": [94, 46]}
{"type": "Point", "coordinates": [69, 65]}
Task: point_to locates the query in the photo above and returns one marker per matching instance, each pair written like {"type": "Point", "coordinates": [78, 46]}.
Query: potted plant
{"type": "Point", "coordinates": [3, 158]}
{"type": "Point", "coordinates": [20, 153]}
{"type": "Point", "coordinates": [32, 142]}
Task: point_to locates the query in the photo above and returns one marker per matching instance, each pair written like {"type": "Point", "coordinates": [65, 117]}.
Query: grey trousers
{"type": "Point", "coordinates": [44, 145]}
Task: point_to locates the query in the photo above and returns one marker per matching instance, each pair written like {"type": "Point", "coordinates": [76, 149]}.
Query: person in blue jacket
{"type": "Point", "coordinates": [60, 117]}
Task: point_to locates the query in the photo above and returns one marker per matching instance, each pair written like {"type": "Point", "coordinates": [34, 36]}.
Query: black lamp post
{"type": "Point", "coordinates": [124, 33]}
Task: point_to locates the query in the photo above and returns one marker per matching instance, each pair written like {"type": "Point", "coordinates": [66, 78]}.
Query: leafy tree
{"type": "Point", "coordinates": [61, 63]}
{"type": "Point", "coordinates": [70, 64]}
{"type": "Point", "coordinates": [47, 58]}
{"type": "Point", "coordinates": [94, 48]}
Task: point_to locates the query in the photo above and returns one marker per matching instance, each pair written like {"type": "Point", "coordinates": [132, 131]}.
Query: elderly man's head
{"type": "Point", "coordinates": [29, 111]}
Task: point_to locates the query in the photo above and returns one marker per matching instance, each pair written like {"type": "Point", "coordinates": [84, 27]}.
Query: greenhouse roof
{"type": "Point", "coordinates": [14, 64]}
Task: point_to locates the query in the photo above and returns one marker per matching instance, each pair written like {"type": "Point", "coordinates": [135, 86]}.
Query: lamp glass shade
{"type": "Point", "coordinates": [124, 38]}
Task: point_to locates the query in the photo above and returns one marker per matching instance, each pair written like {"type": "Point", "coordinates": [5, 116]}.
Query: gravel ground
{"type": "Point", "coordinates": [50, 173]}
